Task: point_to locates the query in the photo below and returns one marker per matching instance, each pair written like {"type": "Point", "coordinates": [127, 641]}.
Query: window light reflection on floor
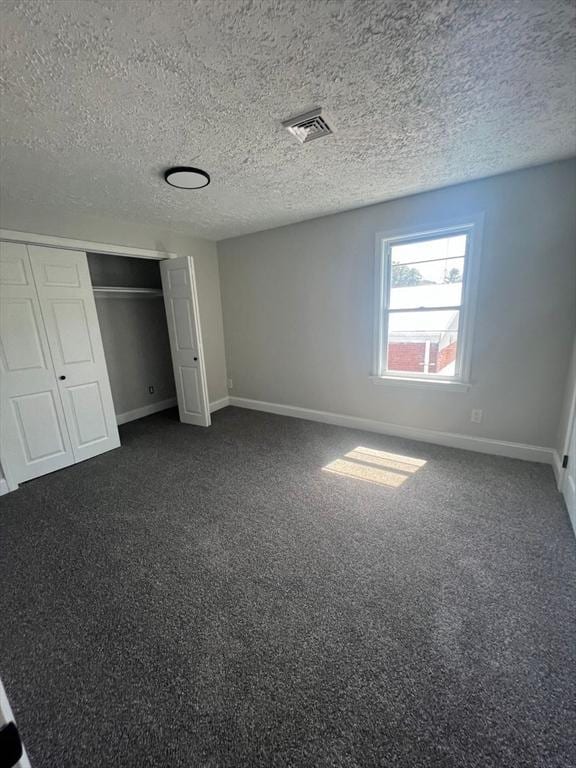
{"type": "Point", "coordinates": [372, 466]}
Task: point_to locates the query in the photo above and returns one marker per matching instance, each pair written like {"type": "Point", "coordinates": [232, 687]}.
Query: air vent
{"type": "Point", "coordinates": [312, 125]}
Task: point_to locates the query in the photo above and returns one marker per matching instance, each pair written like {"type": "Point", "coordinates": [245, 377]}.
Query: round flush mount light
{"type": "Point", "coordinates": [184, 177]}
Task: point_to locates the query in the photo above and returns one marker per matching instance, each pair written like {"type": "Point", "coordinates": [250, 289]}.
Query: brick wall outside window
{"type": "Point", "coordinates": [409, 356]}
{"type": "Point", "coordinates": [447, 355]}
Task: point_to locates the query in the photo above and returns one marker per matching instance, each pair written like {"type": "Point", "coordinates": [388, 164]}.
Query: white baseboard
{"type": "Point", "coordinates": [3, 487]}
{"type": "Point", "coordinates": [146, 410]}
{"type": "Point", "coordinates": [450, 439]}
{"type": "Point", "coordinates": [218, 404]}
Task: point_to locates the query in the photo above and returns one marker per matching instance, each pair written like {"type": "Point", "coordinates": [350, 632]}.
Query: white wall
{"type": "Point", "coordinates": [299, 306]}
{"type": "Point", "coordinates": [88, 227]}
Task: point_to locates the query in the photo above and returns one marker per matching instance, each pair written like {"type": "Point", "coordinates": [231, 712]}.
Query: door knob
{"type": "Point", "coordinates": [61, 378]}
{"type": "Point", "coordinates": [195, 358]}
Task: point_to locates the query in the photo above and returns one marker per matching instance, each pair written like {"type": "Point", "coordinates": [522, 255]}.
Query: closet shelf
{"type": "Point", "coordinates": [117, 291]}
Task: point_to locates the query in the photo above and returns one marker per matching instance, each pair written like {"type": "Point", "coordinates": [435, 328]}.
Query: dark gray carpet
{"type": "Point", "coordinates": [213, 598]}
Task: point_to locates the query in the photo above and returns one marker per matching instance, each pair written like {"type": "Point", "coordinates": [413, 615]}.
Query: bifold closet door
{"type": "Point", "coordinates": [34, 438]}
{"type": "Point", "coordinates": [69, 312]}
{"type": "Point", "coordinates": [181, 300]}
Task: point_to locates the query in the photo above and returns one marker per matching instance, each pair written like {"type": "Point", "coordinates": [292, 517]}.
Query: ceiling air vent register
{"type": "Point", "coordinates": [309, 126]}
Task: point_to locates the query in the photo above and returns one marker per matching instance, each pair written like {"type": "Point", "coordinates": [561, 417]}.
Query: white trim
{"type": "Point", "coordinates": [146, 410]}
{"type": "Point", "coordinates": [572, 521]}
{"type": "Point", "coordinates": [380, 285]}
{"type": "Point", "coordinates": [11, 483]}
{"type": "Point", "coordinates": [473, 225]}
{"type": "Point", "coordinates": [566, 443]}
{"type": "Point", "coordinates": [444, 385]}
{"type": "Point", "coordinates": [83, 245]}
{"type": "Point", "coordinates": [219, 404]}
{"type": "Point", "coordinates": [3, 486]}
{"type": "Point", "coordinates": [450, 439]}
{"type": "Point", "coordinates": [557, 467]}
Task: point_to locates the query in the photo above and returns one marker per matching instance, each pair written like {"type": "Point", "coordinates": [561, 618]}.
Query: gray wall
{"type": "Point", "coordinates": [299, 306]}
{"type": "Point", "coordinates": [137, 350]}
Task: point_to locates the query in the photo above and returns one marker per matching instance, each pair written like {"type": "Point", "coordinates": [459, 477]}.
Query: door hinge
{"type": "Point", "coordinates": [564, 462]}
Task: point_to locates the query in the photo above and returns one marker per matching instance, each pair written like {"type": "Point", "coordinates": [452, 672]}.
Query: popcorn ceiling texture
{"type": "Point", "coordinates": [98, 97]}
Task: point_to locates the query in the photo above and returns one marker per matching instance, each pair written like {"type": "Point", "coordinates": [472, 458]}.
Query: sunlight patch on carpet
{"type": "Point", "coordinates": [373, 466]}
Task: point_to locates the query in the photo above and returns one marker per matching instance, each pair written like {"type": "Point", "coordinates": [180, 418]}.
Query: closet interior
{"type": "Point", "coordinates": [133, 326]}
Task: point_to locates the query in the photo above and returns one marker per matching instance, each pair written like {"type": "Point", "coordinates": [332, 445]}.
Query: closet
{"type": "Point", "coordinates": [56, 404]}
{"type": "Point", "coordinates": [132, 318]}
{"type": "Point", "coordinates": [55, 397]}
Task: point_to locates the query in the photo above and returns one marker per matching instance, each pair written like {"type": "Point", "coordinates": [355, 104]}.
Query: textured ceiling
{"type": "Point", "coordinates": [99, 96]}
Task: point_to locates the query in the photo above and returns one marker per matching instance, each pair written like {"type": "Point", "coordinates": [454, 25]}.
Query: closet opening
{"type": "Point", "coordinates": [132, 318]}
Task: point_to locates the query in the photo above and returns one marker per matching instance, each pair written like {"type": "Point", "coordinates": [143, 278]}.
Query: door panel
{"type": "Point", "coordinates": [12, 270]}
{"type": "Point", "coordinates": [178, 278]}
{"type": "Point", "coordinates": [191, 390]}
{"type": "Point", "coordinates": [38, 428]}
{"type": "Point", "coordinates": [181, 300]}
{"type": "Point", "coordinates": [34, 437]}
{"type": "Point", "coordinates": [183, 324]}
{"type": "Point", "coordinates": [69, 312]}
{"type": "Point", "coordinates": [20, 345]}
{"type": "Point", "coordinates": [72, 331]}
{"type": "Point", "coordinates": [87, 399]}
{"type": "Point", "coordinates": [60, 275]}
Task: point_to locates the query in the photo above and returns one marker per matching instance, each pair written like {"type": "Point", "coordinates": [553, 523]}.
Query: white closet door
{"type": "Point", "coordinates": [69, 312]}
{"type": "Point", "coordinates": [34, 437]}
{"type": "Point", "coordinates": [569, 482]}
{"type": "Point", "coordinates": [181, 299]}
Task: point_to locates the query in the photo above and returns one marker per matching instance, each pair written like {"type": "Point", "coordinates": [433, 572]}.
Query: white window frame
{"type": "Point", "coordinates": [471, 226]}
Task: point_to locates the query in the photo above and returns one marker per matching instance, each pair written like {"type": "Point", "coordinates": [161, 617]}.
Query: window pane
{"type": "Point", "coordinates": [426, 284]}
{"type": "Point", "coordinates": [427, 250]}
{"type": "Point", "coordinates": [423, 342]}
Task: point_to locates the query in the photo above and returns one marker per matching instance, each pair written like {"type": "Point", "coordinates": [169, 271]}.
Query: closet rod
{"type": "Point", "coordinates": [109, 291]}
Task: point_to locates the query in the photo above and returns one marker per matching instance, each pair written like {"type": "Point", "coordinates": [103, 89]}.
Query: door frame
{"type": "Point", "coordinates": [68, 243]}
{"type": "Point", "coordinates": [561, 474]}
{"type": "Point", "coordinates": [88, 246]}
{"type": "Point", "coordinates": [568, 426]}
{"type": "Point", "coordinates": [567, 436]}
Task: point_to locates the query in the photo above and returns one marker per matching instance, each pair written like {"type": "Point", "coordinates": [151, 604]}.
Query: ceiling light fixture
{"type": "Point", "coordinates": [184, 177]}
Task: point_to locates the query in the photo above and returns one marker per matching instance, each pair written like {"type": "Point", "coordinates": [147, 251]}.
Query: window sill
{"type": "Point", "coordinates": [399, 381]}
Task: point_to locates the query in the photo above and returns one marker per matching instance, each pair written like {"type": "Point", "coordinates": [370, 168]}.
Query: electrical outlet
{"type": "Point", "coordinates": [151, 389]}
{"type": "Point", "coordinates": [476, 415]}
{"type": "Point", "coordinates": [230, 384]}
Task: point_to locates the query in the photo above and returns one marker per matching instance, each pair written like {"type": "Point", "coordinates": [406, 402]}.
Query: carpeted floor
{"type": "Point", "coordinates": [215, 598]}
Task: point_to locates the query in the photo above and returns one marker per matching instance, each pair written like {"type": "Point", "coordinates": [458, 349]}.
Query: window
{"type": "Point", "coordinates": [425, 297]}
